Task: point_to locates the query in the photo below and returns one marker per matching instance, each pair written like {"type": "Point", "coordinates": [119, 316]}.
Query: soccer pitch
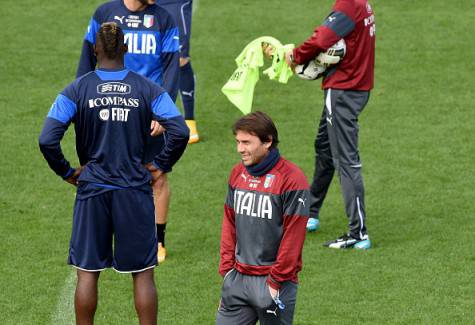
{"type": "Point", "coordinates": [417, 146]}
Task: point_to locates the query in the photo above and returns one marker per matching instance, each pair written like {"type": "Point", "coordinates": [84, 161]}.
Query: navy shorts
{"type": "Point", "coordinates": [114, 229]}
{"type": "Point", "coordinates": [153, 147]}
{"type": "Point", "coordinates": [181, 12]}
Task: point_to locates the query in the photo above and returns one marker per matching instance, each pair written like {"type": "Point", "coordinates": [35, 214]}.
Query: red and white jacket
{"type": "Point", "coordinates": [264, 223]}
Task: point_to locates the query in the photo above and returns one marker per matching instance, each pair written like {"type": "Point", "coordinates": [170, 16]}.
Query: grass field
{"type": "Point", "coordinates": [417, 146]}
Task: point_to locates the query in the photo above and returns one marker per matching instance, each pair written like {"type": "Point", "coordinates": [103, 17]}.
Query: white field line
{"type": "Point", "coordinates": [64, 313]}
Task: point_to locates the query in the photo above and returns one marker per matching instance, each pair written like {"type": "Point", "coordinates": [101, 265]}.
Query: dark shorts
{"type": "Point", "coordinates": [181, 13]}
{"type": "Point", "coordinates": [153, 147]}
{"type": "Point", "coordinates": [114, 229]}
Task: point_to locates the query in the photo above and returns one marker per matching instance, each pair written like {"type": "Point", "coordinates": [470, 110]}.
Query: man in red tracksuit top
{"type": "Point", "coordinates": [263, 230]}
{"type": "Point", "coordinates": [347, 86]}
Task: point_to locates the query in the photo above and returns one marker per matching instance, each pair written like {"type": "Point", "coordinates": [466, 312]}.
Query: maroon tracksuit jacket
{"type": "Point", "coordinates": [264, 223]}
{"type": "Point", "coordinates": [352, 20]}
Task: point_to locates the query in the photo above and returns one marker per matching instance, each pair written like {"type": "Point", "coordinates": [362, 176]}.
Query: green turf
{"type": "Point", "coordinates": [417, 146]}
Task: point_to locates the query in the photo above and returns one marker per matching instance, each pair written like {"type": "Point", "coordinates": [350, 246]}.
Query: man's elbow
{"type": "Point", "coordinates": [182, 133]}
{"type": "Point", "coordinates": [44, 142]}
{"type": "Point", "coordinates": [185, 134]}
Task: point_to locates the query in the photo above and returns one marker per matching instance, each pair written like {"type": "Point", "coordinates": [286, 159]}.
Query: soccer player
{"type": "Point", "coordinates": [181, 10]}
{"type": "Point", "coordinates": [346, 87]}
{"type": "Point", "coordinates": [263, 230]}
{"type": "Point", "coordinates": [152, 40]}
{"type": "Point", "coordinates": [112, 109]}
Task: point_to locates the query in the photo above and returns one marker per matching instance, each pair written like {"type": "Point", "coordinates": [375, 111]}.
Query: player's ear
{"type": "Point", "coordinates": [268, 144]}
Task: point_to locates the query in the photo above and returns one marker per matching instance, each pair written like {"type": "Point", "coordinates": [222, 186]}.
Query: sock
{"type": "Point", "coordinates": [161, 233]}
{"type": "Point", "coordinates": [187, 91]}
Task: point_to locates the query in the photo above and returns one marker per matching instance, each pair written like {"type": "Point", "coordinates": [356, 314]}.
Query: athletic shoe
{"type": "Point", "coordinates": [346, 241]}
{"type": "Point", "coordinates": [313, 224]}
{"type": "Point", "coordinates": [162, 253]}
{"type": "Point", "coordinates": [194, 137]}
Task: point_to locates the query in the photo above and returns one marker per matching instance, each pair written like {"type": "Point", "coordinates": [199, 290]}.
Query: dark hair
{"type": "Point", "coordinates": [259, 124]}
{"type": "Point", "coordinates": [112, 39]}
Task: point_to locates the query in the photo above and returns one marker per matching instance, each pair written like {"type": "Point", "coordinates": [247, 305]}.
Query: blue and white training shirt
{"type": "Point", "coordinates": [152, 39]}
{"type": "Point", "coordinates": [112, 111]}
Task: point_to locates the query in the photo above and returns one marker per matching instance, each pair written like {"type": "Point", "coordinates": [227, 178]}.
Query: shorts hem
{"type": "Point", "coordinates": [135, 271]}
{"type": "Point", "coordinates": [89, 270]}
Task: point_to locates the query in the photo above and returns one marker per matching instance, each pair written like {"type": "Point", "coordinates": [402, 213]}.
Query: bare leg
{"type": "Point", "coordinates": [85, 298]}
{"type": "Point", "coordinates": [161, 199]}
{"type": "Point", "coordinates": [145, 297]}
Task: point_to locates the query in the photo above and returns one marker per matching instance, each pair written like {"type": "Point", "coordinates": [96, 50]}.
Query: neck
{"type": "Point", "coordinates": [134, 5]}
{"type": "Point", "coordinates": [110, 64]}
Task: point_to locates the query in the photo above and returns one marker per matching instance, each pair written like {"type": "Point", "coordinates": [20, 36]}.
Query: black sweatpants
{"type": "Point", "coordinates": [336, 148]}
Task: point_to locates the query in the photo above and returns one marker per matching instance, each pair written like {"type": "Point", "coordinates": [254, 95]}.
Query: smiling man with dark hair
{"type": "Point", "coordinates": [263, 230]}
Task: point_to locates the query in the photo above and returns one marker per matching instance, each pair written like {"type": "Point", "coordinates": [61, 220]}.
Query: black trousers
{"type": "Point", "coordinates": [336, 148]}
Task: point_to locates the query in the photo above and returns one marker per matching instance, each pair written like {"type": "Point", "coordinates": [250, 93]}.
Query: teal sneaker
{"type": "Point", "coordinates": [346, 241]}
{"type": "Point", "coordinates": [363, 244]}
{"type": "Point", "coordinates": [313, 224]}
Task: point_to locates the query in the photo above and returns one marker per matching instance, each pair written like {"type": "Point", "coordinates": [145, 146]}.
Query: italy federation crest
{"type": "Point", "coordinates": [269, 180]}
{"type": "Point", "coordinates": [148, 21]}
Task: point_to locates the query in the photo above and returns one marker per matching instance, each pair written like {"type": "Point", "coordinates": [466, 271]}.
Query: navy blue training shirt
{"type": "Point", "coordinates": [112, 112]}
{"type": "Point", "coordinates": [152, 39]}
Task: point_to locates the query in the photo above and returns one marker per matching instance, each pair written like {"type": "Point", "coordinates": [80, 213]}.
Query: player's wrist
{"type": "Point", "coordinates": [160, 169]}
{"type": "Point", "coordinates": [274, 284]}
{"type": "Point", "coordinates": [68, 174]}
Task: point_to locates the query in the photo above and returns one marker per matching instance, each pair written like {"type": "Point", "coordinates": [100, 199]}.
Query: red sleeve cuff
{"type": "Point", "coordinates": [273, 283]}
{"type": "Point", "coordinates": [223, 273]}
{"type": "Point", "coordinates": [294, 55]}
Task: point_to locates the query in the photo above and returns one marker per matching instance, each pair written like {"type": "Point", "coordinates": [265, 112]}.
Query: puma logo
{"type": "Point", "coordinates": [270, 311]}
{"type": "Point", "coordinates": [121, 18]}
{"type": "Point", "coordinates": [187, 93]}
